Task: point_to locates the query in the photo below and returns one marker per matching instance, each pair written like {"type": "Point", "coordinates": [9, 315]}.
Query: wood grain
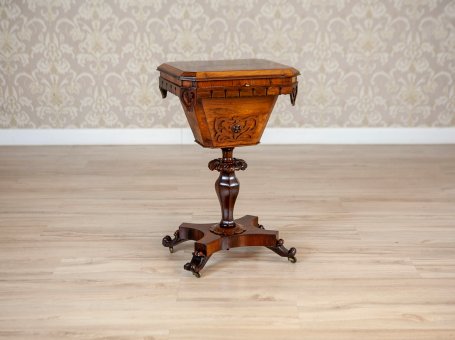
{"type": "Point", "coordinates": [243, 89]}
{"type": "Point", "coordinates": [81, 254]}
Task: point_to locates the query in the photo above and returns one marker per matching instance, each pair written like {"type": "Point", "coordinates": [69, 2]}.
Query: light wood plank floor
{"type": "Point", "coordinates": [81, 254]}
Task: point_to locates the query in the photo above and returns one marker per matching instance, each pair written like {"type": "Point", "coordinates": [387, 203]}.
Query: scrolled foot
{"type": "Point", "coordinates": [171, 242]}
{"type": "Point", "coordinates": [197, 262]}
{"type": "Point", "coordinates": [281, 250]}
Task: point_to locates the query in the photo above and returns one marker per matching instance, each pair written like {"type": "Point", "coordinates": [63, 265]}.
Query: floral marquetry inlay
{"type": "Point", "coordinates": [86, 63]}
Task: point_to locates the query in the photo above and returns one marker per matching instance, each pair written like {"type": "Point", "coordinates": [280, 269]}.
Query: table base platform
{"type": "Point", "coordinates": [248, 233]}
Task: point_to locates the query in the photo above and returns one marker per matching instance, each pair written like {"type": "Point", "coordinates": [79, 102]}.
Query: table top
{"type": "Point", "coordinates": [227, 69]}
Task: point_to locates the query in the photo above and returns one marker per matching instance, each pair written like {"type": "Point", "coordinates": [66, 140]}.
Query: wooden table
{"type": "Point", "coordinates": [227, 104]}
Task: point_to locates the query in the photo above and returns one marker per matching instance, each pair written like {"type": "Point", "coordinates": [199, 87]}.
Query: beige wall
{"type": "Point", "coordinates": [83, 64]}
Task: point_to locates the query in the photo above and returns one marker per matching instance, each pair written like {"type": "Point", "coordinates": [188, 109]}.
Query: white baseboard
{"type": "Point", "coordinates": [184, 136]}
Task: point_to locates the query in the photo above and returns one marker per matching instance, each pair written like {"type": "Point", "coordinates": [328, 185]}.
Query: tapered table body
{"type": "Point", "coordinates": [227, 104]}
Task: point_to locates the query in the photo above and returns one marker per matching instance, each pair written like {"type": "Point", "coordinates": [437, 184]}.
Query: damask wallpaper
{"type": "Point", "coordinates": [91, 63]}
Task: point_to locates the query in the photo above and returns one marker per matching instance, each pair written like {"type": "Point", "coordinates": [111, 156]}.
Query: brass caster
{"type": "Point", "coordinates": [171, 249]}
{"type": "Point", "coordinates": [292, 259]}
{"type": "Point", "coordinates": [197, 263]}
{"type": "Point", "coordinates": [167, 240]}
{"type": "Point", "coordinates": [188, 266]}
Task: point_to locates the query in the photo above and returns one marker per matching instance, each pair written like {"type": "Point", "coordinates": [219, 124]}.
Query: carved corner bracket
{"type": "Point", "coordinates": [294, 94]}
{"type": "Point", "coordinates": [164, 86]}
{"type": "Point", "coordinates": [163, 92]}
{"type": "Point", "coordinates": [188, 98]}
{"type": "Point", "coordinates": [221, 164]}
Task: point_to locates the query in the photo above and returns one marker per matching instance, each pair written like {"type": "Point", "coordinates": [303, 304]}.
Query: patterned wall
{"type": "Point", "coordinates": [91, 63]}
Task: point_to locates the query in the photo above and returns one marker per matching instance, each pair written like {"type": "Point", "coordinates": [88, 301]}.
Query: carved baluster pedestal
{"type": "Point", "coordinates": [227, 189]}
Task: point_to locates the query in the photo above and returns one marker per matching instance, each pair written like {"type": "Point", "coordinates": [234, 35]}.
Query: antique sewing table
{"type": "Point", "coordinates": [227, 104]}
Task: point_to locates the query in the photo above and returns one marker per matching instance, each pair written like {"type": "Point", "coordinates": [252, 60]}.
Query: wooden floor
{"type": "Point", "coordinates": [81, 254]}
